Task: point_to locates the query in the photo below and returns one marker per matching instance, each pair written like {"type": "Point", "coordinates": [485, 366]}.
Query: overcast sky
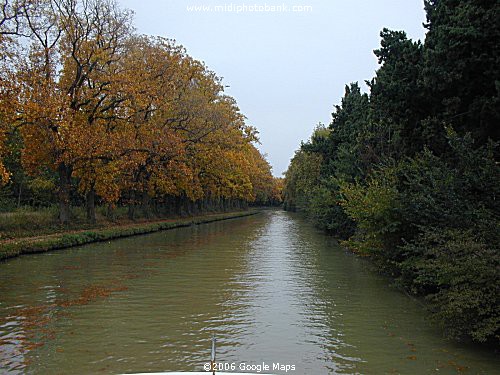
{"type": "Point", "coordinates": [286, 69]}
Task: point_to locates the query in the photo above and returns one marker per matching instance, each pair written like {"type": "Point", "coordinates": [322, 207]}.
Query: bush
{"type": "Point", "coordinates": [326, 211]}
{"type": "Point", "coordinates": [376, 209]}
{"type": "Point", "coordinates": [434, 224]}
{"type": "Point", "coordinates": [458, 272]}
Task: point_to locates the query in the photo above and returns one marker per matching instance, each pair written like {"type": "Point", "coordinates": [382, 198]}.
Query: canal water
{"type": "Point", "coordinates": [279, 296]}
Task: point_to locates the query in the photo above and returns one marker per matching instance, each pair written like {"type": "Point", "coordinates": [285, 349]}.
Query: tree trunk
{"type": "Point", "coordinates": [90, 205]}
{"type": "Point", "coordinates": [19, 195]}
{"type": "Point", "coordinates": [178, 205]}
{"type": "Point", "coordinates": [145, 204]}
{"type": "Point", "coordinates": [131, 206]}
{"type": "Point", "coordinates": [171, 206]}
{"type": "Point", "coordinates": [111, 212]}
{"type": "Point", "coordinates": [186, 203]}
{"type": "Point", "coordinates": [64, 190]}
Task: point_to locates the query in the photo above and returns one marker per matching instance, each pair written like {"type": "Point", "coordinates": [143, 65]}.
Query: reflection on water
{"type": "Point", "coordinates": [270, 287]}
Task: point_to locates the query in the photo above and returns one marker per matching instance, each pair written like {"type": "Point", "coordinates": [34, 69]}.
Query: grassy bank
{"type": "Point", "coordinates": [14, 247]}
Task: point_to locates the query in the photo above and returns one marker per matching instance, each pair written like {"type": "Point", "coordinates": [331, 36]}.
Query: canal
{"type": "Point", "coordinates": [270, 287]}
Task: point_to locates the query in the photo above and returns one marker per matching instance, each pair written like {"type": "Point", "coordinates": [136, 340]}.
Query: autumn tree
{"type": "Point", "coordinates": [66, 97]}
{"type": "Point", "coordinates": [119, 117]}
{"type": "Point", "coordinates": [11, 27]}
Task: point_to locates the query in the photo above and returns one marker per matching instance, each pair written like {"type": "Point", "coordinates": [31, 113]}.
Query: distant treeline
{"type": "Point", "coordinates": [92, 113]}
{"type": "Point", "coordinates": [409, 175]}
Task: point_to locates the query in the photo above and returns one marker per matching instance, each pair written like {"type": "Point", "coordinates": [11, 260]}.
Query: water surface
{"type": "Point", "coordinates": [271, 288]}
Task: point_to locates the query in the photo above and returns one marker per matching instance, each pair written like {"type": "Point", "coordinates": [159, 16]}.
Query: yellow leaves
{"type": "Point", "coordinates": [131, 113]}
{"type": "Point", "coordinates": [41, 184]}
{"type": "Point", "coordinates": [278, 186]}
{"type": "Point", "coordinates": [373, 200]}
{"type": "Point", "coordinates": [240, 172]}
{"type": "Point", "coordinates": [4, 175]}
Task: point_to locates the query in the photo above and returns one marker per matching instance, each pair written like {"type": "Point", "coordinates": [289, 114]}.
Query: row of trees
{"type": "Point", "coordinates": [90, 109]}
{"type": "Point", "coordinates": [408, 174]}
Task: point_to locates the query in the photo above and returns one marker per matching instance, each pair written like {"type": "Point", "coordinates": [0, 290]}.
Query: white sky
{"type": "Point", "coordinates": [285, 69]}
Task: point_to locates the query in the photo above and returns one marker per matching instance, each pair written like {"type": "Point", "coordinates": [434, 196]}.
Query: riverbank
{"type": "Point", "coordinates": [15, 247]}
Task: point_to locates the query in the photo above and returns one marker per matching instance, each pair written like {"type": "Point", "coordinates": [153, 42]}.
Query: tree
{"type": "Point", "coordinates": [67, 98]}
{"type": "Point", "coordinates": [396, 99]}
{"type": "Point", "coordinates": [461, 70]}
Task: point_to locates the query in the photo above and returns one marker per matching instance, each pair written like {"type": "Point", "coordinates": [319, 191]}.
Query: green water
{"type": "Point", "coordinates": [270, 287]}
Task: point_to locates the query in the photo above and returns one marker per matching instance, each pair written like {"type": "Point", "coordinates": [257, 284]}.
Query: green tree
{"type": "Point", "coordinates": [461, 72]}
{"type": "Point", "coordinates": [396, 99]}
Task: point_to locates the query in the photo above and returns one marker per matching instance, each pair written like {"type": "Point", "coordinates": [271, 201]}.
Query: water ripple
{"type": "Point", "coordinates": [270, 288]}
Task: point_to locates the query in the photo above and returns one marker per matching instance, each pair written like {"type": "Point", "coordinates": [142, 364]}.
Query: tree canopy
{"type": "Point", "coordinates": [109, 115]}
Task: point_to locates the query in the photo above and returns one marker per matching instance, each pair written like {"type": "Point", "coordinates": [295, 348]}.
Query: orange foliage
{"type": "Point", "coordinates": [118, 112]}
